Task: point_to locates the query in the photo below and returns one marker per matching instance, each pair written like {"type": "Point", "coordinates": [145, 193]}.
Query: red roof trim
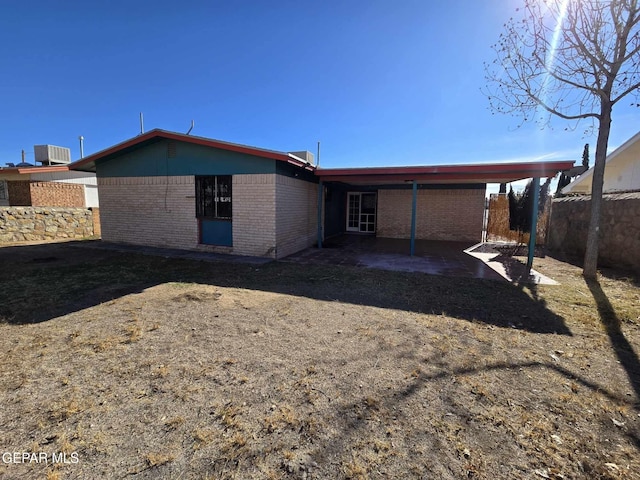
{"type": "Point", "coordinates": [29, 170]}
{"type": "Point", "coordinates": [532, 168]}
{"type": "Point", "coordinates": [433, 178]}
{"type": "Point", "coordinates": [479, 173]}
{"type": "Point", "coordinates": [207, 142]}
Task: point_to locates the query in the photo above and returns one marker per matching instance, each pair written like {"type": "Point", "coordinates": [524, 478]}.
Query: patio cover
{"type": "Point", "coordinates": [430, 174]}
{"type": "Point", "coordinates": [444, 174]}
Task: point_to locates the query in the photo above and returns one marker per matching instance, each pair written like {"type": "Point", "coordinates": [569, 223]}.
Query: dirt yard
{"type": "Point", "coordinates": [145, 367]}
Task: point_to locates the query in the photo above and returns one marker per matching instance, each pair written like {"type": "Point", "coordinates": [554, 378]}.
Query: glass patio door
{"type": "Point", "coordinates": [361, 212]}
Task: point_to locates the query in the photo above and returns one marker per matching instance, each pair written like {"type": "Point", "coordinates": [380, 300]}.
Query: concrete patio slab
{"type": "Point", "coordinates": [432, 257]}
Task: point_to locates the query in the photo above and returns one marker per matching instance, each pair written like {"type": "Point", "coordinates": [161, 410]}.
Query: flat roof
{"type": "Point", "coordinates": [469, 173]}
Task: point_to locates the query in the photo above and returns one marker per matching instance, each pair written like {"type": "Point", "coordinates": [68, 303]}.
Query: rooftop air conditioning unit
{"type": "Point", "coordinates": [52, 155]}
{"type": "Point", "coordinates": [304, 155]}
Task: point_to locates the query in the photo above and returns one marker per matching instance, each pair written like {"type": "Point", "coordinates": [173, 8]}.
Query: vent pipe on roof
{"type": "Point", "coordinates": [24, 163]}
{"type": "Point", "coordinates": [81, 138]}
{"type": "Point", "coordinates": [192, 124]}
{"type": "Point", "coordinates": [141, 123]}
{"type": "Point", "coordinates": [318, 156]}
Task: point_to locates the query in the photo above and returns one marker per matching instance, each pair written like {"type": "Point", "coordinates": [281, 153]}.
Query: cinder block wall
{"type": "Point", "coordinates": [156, 211]}
{"type": "Point", "coordinates": [254, 215]}
{"type": "Point", "coordinates": [57, 194]}
{"type": "Point", "coordinates": [297, 215]}
{"type": "Point", "coordinates": [451, 214]}
{"type": "Point", "coordinates": [619, 239]}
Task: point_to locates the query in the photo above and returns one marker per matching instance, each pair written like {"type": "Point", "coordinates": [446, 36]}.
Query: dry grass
{"type": "Point", "coordinates": [157, 368]}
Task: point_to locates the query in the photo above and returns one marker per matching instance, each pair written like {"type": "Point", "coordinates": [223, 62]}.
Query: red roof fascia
{"type": "Point", "coordinates": [28, 170]}
{"type": "Point", "coordinates": [450, 172]}
{"type": "Point", "coordinates": [433, 178]}
{"type": "Point", "coordinates": [283, 157]}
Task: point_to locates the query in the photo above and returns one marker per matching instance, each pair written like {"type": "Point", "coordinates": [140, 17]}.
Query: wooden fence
{"type": "Point", "coordinates": [498, 222]}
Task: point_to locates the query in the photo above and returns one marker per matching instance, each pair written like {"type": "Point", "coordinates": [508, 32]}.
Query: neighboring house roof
{"type": "Point", "coordinates": [475, 173]}
{"type": "Point", "coordinates": [88, 163]}
{"type": "Point", "coordinates": [32, 169]}
{"type": "Point", "coordinates": [622, 171]}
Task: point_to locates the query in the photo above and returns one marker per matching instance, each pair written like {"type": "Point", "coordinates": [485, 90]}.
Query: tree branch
{"type": "Point", "coordinates": [625, 93]}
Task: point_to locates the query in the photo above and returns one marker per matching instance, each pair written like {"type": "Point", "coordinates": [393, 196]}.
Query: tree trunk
{"type": "Point", "coordinates": [597, 181]}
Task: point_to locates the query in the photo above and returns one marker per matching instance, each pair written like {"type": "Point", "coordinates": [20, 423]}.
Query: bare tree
{"type": "Point", "coordinates": [573, 59]}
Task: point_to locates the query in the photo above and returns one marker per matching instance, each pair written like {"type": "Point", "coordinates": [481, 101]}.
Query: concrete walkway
{"type": "Point", "coordinates": [510, 269]}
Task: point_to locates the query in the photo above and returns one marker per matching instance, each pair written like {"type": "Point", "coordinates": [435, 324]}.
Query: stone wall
{"type": "Point", "coordinates": [19, 224]}
{"type": "Point", "coordinates": [619, 244]}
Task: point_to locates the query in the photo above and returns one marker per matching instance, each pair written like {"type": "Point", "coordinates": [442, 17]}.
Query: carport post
{"type": "Point", "coordinates": [320, 187]}
{"type": "Point", "coordinates": [535, 185]}
{"type": "Point", "coordinates": [414, 202]}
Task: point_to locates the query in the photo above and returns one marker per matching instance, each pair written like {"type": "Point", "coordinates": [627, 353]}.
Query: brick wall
{"type": "Point", "coordinates": [45, 194]}
{"type": "Point", "coordinates": [155, 211]}
{"type": "Point", "coordinates": [57, 194]}
{"type": "Point", "coordinates": [254, 215]}
{"type": "Point", "coordinates": [19, 193]}
{"type": "Point", "coordinates": [150, 211]}
{"type": "Point", "coordinates": [97, 230]}
{"type": "Point", "coordinates": [297, 215]}
{"type": "Point", "coordinates": [454, 215]}
{"type": "Point", "coordinates": [619, 238]}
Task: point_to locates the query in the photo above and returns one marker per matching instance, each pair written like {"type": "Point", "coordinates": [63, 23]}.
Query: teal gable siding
{"type": "Point", "coordinates": [156, 159]}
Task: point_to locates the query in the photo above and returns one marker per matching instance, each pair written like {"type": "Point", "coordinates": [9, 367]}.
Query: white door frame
{"type": "Point", "coordinates": [357, 221]}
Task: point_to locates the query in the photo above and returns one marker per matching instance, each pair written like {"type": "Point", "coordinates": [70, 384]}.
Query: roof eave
{"type": "Point", "coordinates": [89, 163]}
{"type": "Point", "coordinates": [479, 173]}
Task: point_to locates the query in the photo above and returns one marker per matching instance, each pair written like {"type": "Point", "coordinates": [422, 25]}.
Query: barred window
{"type": "Point", "coordinates": [4, 194]}
{"type": "Point", "coordinates": [213, 197]}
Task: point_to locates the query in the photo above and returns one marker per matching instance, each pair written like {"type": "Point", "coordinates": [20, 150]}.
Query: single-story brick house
{"type": "Point", "coordinates": [173, 190]}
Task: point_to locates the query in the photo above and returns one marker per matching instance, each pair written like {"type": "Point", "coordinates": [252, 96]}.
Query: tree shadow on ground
{"type": "Point", "coordinates": [42, 282]}
{"type": "Point", "coordinates": [614, 272]}
{"type": "Point", "coordinates": [353, 426]}
{"type": "Point", "coordinates": [621, 346]}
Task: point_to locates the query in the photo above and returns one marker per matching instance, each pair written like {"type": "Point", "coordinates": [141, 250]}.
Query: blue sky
{"type": "Point", "coordinates": [377, 82]}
